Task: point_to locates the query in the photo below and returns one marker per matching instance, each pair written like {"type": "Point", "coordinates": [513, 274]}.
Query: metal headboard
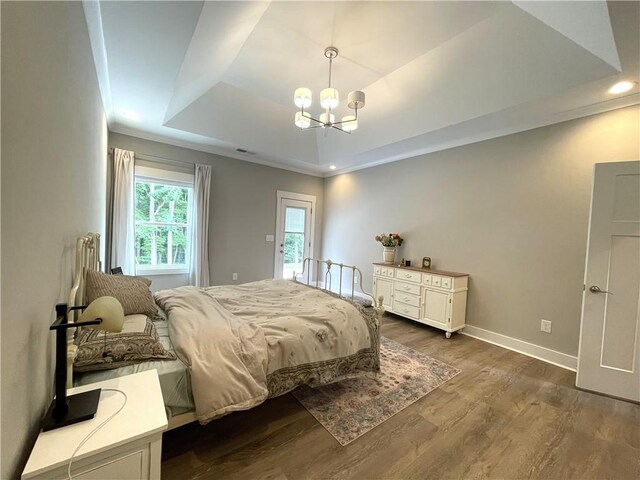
{"type": "Point", "coordinates": [87, 258]}
{"type": "Point", "coordinates": [323, 268]}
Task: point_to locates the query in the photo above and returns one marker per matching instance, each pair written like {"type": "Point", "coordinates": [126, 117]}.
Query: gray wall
{"type": "Point", "coordinates": [243, 210]}
{"type": "Point", "coordinates": [512, 212]}
{"type": "Point", "coordinates": [54, 137]}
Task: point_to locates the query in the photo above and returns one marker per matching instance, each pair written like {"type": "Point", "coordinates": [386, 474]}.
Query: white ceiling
{"type": "Point", "coordinates": [217, 76]}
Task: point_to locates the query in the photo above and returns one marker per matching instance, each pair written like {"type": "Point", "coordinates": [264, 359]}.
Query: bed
{"type": "Point", "coordinates": [238, 345]}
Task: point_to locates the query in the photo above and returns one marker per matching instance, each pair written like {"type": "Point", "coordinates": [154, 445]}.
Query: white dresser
{"type": "Point", "coordinates": [433, 297]}
{"type": "Point", "coordinates": [129, 447]}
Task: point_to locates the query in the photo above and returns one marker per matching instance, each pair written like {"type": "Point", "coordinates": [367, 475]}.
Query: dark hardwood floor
{"type": "Point", "coordinates": [505, 416]}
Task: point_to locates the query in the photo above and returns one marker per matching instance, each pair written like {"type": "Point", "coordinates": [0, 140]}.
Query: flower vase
{"type": "Point", "coordinates": [388, 254]}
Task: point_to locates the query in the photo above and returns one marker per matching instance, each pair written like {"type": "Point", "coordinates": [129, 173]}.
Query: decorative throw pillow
{"type": "Point", "coordinates": [132, 292]}
{"type": "Point", "coordinates": [137, 342]}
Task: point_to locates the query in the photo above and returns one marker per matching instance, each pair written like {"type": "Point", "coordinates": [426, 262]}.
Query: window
{"type": "Point", "coordinates": [294, 230]}
{"type": "Point", "coordinates": [163, 203]}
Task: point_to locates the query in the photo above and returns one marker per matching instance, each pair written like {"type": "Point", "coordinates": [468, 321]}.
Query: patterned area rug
{"type": "Point", "coordinates": [350, 408]}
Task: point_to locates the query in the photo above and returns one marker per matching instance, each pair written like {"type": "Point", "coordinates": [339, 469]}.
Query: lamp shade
{"type": "Point", "coordinates": [355, 99]}
{"type": "Point", "coordinates": [323, 118]}
{"type": "Point", "coordinates": [302, 97]}
{"type": "Point", "coordinates": [302, 120]}
{"type": "Point", "coordinates": [329, 98]}
{"type": "Point", "coordinates": [349, 123]}
{"type": "Point", "coordinates": [109, 309]}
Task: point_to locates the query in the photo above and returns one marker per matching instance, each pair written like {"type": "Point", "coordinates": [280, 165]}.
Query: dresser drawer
{"type": "Point", "coordinates": [446, 282]}
{"type": "Point", "coordinates": [436, 281]}
{"type": "Point", "coordinates": [409, 299]}
{"type": "Point", "coordinates": [404, 309]}
{"type": "Point", "coordinates": [409, 276]}
{"type": "Point", "coordinates": [377, 270]}
{"type": "Point", "coordinates": [426, 279]}
{"type": "Point", "coordinates": [412, 288]}
{"type": "Point", "coordinates": [390, 272]}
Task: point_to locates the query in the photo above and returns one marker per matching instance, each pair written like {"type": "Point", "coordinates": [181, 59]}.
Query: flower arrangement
{"type": "Point", "coordinates": [390, 239]}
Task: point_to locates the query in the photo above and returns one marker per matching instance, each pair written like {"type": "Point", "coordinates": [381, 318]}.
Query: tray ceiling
{"type": "Point", "coordinates": [218, 76]}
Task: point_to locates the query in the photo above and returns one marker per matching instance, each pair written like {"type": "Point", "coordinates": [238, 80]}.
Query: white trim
{"type": "Point", "coordinates": [175, 269]}
{"type": "Point", "coordinates": [280, 195]}
{"type": "Point", "coordinates": [161, 175]}
{"type": "Point", "coordinates": [177, 179]}
{"type": "Point", "coordinates": [546, 120]}
{"type": "Point", "coordinates": [536, 351]}
{"type": "Point", "coordinates": [203, 147]}
{"type": "Point", "coordinates": [93, 17]}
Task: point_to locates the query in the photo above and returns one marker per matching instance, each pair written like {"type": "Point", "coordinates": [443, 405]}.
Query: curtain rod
{"type": "Point", "coordinates": [159, 159]}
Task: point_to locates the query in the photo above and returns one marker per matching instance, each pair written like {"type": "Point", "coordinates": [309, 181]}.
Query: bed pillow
{"type": "Point", "coordinates": [132, 292]}
{"type": "Point", "coordinates": [137, 342]}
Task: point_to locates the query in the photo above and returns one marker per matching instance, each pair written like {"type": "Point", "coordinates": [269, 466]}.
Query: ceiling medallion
{"type": "Point", "coordinates": [329, 99]}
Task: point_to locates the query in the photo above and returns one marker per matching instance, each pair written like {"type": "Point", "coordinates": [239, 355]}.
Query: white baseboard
{"type": "Point", "coordinates": [541, 353]}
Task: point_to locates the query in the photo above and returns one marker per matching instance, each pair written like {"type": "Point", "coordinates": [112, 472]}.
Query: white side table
{"type": "Point", "coordinates": [128, 447]}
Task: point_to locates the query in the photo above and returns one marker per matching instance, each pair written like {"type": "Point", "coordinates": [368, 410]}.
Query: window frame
{"type": "Point", "coordinates": [159, 176]}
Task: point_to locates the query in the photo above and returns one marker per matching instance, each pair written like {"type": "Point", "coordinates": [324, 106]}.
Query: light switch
{"type": "Point", "coordinates": [269, 238]}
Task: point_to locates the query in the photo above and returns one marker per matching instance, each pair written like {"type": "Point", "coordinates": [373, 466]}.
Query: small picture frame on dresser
{"type": "Point", "coordinates": [426, 262]}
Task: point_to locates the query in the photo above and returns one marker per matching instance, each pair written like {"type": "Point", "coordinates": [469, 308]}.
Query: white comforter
{"type": "Point", "coordinates": [244, 343]}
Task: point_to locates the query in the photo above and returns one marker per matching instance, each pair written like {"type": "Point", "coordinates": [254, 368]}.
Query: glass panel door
{"type": "Point", "coordinates": [294, 240]}
{"type": "Point", "coordinates": [293, 236]}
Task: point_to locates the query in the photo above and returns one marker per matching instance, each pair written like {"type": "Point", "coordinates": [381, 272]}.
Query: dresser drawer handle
{"type": "Point", "coordinates": [407, 288]}
{"type": "Point", "coordinates": [406, 299]}
{"type": "Point", "coordinates": [407, 275]}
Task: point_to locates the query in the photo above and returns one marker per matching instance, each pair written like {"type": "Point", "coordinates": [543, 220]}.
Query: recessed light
{"type": "Point", "coordinates": [131, 115]}
{"type": "Point", "coordinates": [621, 87]}
{"type": "Point", "coordinates": [332, 167]}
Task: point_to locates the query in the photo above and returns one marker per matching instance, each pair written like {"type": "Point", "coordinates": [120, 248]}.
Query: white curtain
{"type": "Point", "coordinates": [199, 274]}
{"type": "Point", "coordinates": [122, 225]}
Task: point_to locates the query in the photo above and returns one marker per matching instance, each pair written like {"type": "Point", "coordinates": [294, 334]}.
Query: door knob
{"type": "Point", "coordinates": [596, 289]}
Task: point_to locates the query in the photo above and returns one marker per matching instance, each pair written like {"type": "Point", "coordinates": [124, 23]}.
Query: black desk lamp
{"type": "Point", "coordinates": [105, 313]}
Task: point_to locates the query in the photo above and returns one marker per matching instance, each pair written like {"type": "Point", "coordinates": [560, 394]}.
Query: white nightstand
{"type": "Point", "coordinates": [128, 447]}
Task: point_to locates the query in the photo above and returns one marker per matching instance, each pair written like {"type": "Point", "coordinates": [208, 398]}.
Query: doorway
{"type": "Point", "coordinates": [295, 224]}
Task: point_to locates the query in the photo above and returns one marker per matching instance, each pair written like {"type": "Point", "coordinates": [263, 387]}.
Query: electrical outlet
{"type": "Point", "coordinates": [545, 326]}
{"type": "Point", "coordinates": [235, 276]}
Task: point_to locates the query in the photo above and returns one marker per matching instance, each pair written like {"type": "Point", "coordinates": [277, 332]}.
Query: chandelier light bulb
{"type": "Point", "coordinates": [302, 121]}
{"type": "Point", "coordinates": [329, 98]}
{"type": "Point", "coordinates": [349, 123]}
{"type": "Point", "coordinates": [302, 97]}
{"type": "Point", "coordinates": [323, 118]}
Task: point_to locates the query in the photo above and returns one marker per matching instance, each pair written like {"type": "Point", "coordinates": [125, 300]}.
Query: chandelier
{"type": "Point", "coordinates": [329, 99]}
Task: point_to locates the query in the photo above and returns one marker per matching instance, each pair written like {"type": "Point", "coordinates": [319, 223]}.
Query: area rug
{"type": "Point", "coordinates": [350, 408]}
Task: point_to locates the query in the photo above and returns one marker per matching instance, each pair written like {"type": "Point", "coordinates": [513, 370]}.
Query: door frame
{"type": "Point", "coordinates": [284, 195]}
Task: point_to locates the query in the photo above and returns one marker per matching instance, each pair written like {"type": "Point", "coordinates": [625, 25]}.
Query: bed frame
{"type": "Point", "coordinates": [326, 283]}
{"type": "Point", "coordinates": [88, 258]}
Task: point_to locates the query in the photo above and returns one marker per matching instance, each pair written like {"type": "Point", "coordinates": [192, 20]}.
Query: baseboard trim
{"type": "Point", "coordinates": [541, 353]}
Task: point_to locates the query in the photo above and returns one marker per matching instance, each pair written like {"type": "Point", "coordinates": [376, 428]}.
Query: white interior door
{"type": "Point", "coordinates": [294, 233]}
{"type": "Point", "coordinates": [608, 357]}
